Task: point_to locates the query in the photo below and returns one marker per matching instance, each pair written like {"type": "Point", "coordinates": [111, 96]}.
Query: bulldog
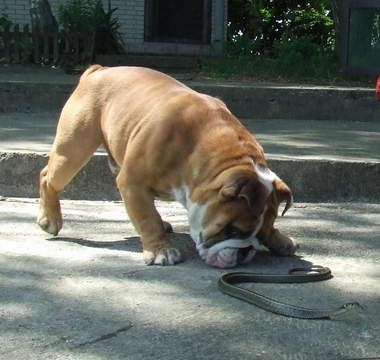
{"type": "Point", "coordinates": [168, 141]}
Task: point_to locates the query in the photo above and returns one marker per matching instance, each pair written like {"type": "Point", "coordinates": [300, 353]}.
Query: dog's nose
{"type": "Point", "coordinates": [243, 253]}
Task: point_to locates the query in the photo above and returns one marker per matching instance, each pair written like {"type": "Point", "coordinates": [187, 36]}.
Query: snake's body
{"type": "Point", "coordinates": [227, 284]}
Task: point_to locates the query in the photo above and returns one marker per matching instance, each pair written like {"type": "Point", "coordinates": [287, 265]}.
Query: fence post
{"type": "Point", "coordinates": [86, 40]}
{"type": "Point", "coordinates": [16, 39]}
{"type": "Point", "coordinates": [55, 40]}
{"type": "Point", "coordinates": [36, 45]}
{"type": "Point", "coordinates": [46, 39]}
{"type": "Point", "coordinates": [26, 36]}
{"type": "Point", "coordinates": [7, 44]}
{"type": "Point", "coordinates": [76, 47]}
{"type": "Point", "coordinates": [92, 44]}
{"type": "Point", "coordinates": [66, 37]}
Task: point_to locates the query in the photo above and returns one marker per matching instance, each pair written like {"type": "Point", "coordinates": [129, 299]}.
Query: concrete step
{"type": "Point", "coordinates": [36, 91]}
{"type": "Point", "coordinates": [320, 160]}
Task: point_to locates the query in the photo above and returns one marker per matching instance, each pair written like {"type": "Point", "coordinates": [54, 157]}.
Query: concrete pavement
{"type": "Point", "coordinates": [282, 139]}
{"type": "Point", "coordinates": [86, 295]}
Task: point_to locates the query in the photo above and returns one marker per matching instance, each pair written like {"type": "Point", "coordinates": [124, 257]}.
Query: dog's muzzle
{"type": "Point", "coordinates": [227, 253]}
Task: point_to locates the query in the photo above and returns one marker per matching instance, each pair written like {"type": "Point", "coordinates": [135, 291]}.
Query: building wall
{"type": "Point", "coordinates": [16, 10]}
{"type": "Point", "coordinates": [131, 17]}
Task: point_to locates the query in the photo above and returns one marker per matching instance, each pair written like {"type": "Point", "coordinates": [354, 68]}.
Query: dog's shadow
{"type": "Point", "coordinates": [268, 262]}
{"type": "Point", "coordinates": [131, 244]}
{"type": "Point", "coordinates": [263, 261]}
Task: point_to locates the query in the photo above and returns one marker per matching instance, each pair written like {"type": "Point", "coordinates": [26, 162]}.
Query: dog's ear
{"type": "Point", "coordinates": [248, 188]}
{"type": "Point", "coordinates": [283, 193]}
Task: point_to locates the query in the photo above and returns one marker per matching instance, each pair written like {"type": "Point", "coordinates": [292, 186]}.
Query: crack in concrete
{"type": "Point", "coordinates": [103, 337]}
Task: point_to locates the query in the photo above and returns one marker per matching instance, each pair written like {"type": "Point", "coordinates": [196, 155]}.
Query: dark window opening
{"type": "Point", "coordinates": [361, 36]}
{"type": "Point", "coordinates": [179, 21]}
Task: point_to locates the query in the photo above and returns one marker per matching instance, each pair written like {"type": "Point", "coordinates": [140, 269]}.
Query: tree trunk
{"type": "Point", "coordinates": [42, 18]}
{"type": "Point", "coordinates": [336, 12]}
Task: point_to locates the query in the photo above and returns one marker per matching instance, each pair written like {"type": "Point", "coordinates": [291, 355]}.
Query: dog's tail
{"type": "Point", "coordinates": [90, 70]}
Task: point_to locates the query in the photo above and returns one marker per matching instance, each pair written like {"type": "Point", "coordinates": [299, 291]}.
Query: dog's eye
{"type": "Point", "coordinates": [232, 231]}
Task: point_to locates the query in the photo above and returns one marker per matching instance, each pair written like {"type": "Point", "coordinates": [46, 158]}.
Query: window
{"type": "Point", "coordinates": [180, 21]}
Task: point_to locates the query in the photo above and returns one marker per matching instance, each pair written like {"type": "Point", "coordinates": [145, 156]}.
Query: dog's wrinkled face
{"type": "Point", "coordinates": [226, 225]}
{"type": "Point", "coordinates": [232, 220]}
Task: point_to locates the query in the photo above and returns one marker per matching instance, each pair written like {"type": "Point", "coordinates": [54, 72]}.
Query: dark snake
{"type": "Point", "coordinates": [227, 284]}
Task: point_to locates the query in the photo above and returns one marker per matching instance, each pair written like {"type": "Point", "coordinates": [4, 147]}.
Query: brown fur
{"type": "Point", "coordinates": [161, 134]}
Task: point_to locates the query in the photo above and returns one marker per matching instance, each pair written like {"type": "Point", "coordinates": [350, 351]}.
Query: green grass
{"type": "Point", "coordinates": [321, 69]}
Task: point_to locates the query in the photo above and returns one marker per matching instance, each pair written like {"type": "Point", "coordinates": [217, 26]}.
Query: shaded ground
{"type": "Point", "coordinates": [88, 295]}
{"type": "Point", "coordinates": [281, 139]}
{"type": "Point", "coordinates": [35, 73]}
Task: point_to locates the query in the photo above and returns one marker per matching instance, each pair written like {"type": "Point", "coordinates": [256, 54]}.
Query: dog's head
{"type": "Point", "coordinates": [225, 226]}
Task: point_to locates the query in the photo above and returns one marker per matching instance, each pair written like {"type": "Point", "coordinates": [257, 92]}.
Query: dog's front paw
{"type": "Point", "coordinates": [165, 256]}
{"type": "Point", "coordinates": [51, 224]}
{"type": "Point", "coordinates": [286, 246]}
{"type": "Point", "coordinates": [286, 249]}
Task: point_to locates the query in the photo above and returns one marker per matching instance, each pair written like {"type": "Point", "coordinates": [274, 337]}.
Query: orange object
{"type": "Point", "coordinates": [377, 89]}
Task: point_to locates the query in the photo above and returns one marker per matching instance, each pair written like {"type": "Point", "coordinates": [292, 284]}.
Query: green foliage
{"type": "Point", "coordinates": [4, 22]}
{"type": "Point", "coordinates": [268, 21]}
{"type": "Point", "coordinates": [287, 39]}
{"type": "Point", "coordinates": [290, 60]}
{"type": "Point", "coordinates": [84, 16]}
{"type": "Point", "coordinates": [108, 36]}
{"type": "Point", "coordinates": [26, 50]}
{"type": "Point", "coordinates": [301, 57]}
{"type": "Point", "coordinates": [240, 45]}
{"type": "Point", "coordinates": [76, 15]}
{"type": "Point", "coordinates": [24, 46]}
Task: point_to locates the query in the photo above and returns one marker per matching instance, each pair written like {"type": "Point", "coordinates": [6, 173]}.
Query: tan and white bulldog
{"type": "Point", "coordinates": [169, 141]}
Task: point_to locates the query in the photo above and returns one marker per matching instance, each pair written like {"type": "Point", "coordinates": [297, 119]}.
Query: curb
{"type": "Point", "coordinates": [297, 103]}
{"type": "Point", "coordinates": [260, 102]}
{"type": "Point", "coordinates": [310, 180]}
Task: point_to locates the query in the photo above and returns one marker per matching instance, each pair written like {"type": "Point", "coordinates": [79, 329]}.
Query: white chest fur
{"type": "Point", "coordinates": [195, 211]}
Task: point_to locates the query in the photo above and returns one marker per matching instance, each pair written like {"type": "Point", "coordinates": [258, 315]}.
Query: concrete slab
{"type": "Point", "coordinates": [318, 140]}
{"type": "Point", "coordinates": [281, 139]}
{"type": "Point", "coordinates": [27, 132]}
{"type": "Point", "coordinates": [86, 295]}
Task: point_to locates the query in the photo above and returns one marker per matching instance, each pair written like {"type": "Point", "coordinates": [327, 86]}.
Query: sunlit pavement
{"type": "Point", "coordinates": [87, 294]}
{"type": "Point", "coordinates": [282, 139]}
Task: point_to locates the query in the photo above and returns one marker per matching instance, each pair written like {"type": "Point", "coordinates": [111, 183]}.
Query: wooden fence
{"type": "Point", "coordinates": [56, 47]}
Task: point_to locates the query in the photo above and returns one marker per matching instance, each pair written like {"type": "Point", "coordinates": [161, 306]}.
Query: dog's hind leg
{"type": "Point", "coordinates": [78, 136]}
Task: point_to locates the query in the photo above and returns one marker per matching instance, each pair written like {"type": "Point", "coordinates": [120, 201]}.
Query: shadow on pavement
{"type": "Point", "coordinates": [85, 295]}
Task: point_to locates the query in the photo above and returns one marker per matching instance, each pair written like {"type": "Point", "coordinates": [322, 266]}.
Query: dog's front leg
{"type": "Point", "coordinates": [139, 202]}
